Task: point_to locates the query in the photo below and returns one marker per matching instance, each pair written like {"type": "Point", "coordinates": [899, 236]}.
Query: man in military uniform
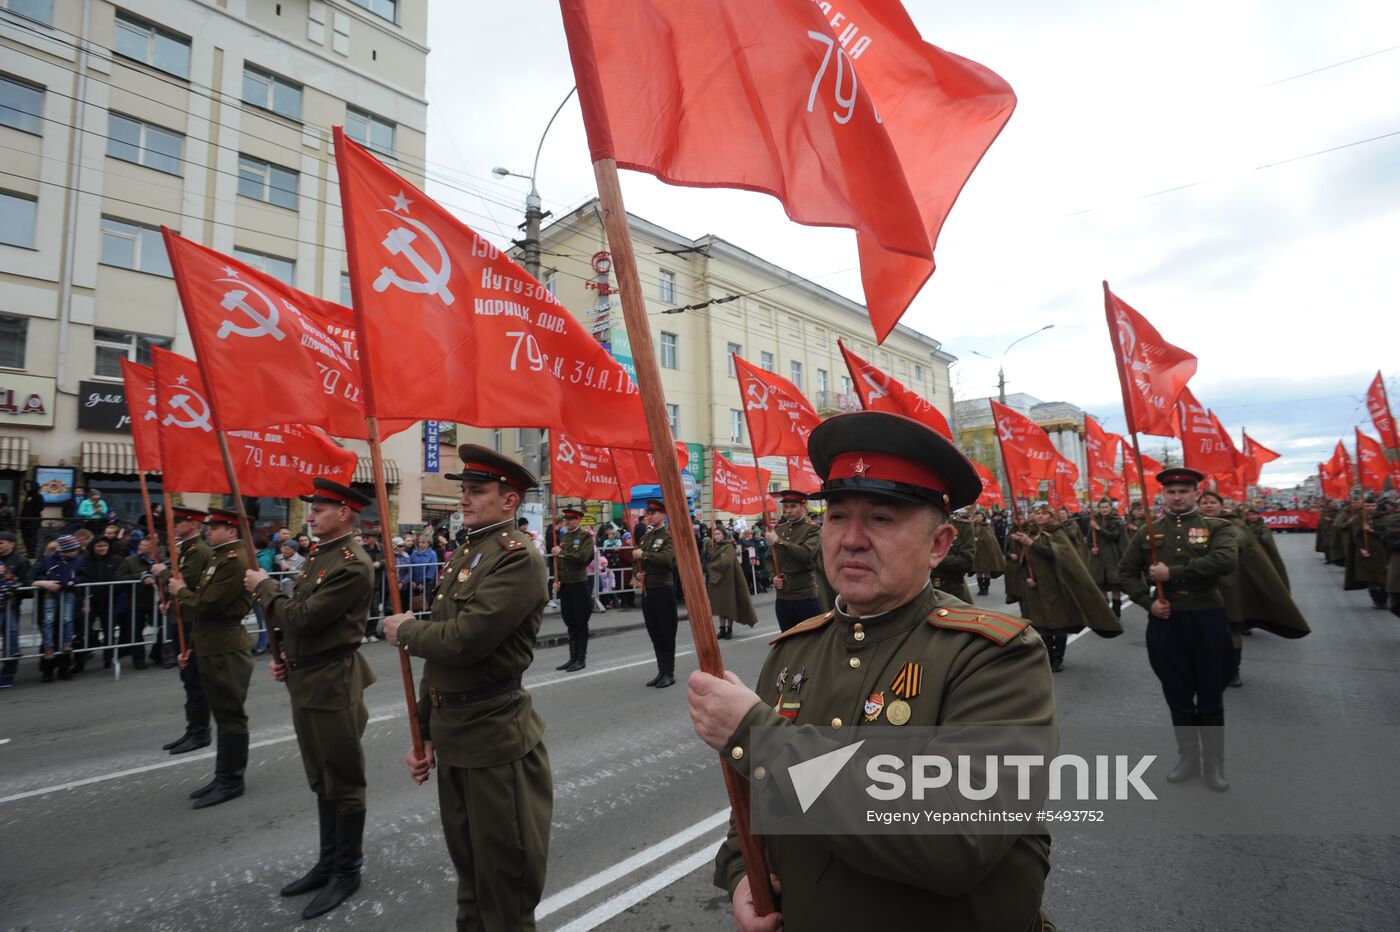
{"type": "Point", "coordinates": [194, 558]}
{"type": "Point", "coordinates": [495, 789]}
{"type": "Point", "coordinates": [215, 609]}
{"type": "Point", "coordinates": [950, 575]}
{"type": "Point", "coordinates": [572, 554]}
{"type": "Point", "coordinates": [1188, 627]}
{"type": "Point", "coordinates": [322, 623]}
{"type": "Point", "coordinates": [1106, 538]}
{"type": "Point", "coordinates": [921, 658]}
{"type": "Point", "coordinates": [796, 546]}
{"type": "Point", "coordinates": [654, 560]}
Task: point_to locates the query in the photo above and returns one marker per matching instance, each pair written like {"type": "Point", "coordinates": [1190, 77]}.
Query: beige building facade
{"type": "Point", "coordinates": [212, 118]}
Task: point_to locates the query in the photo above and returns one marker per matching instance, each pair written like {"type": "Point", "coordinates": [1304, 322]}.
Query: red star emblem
{"type": "Point", "coordinates": [859, 467]}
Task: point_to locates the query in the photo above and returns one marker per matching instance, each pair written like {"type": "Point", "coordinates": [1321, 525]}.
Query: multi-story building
{"type": "Point", "coordinates": [211, 118]}
{"type": "Point", "coordinates": [1063, 421]}
{"type": "Point", "coordinates": [708, 299]}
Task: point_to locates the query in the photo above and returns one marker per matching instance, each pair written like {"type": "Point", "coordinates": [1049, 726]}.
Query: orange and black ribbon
{"type": "Point", "coordinates": [907, 682]}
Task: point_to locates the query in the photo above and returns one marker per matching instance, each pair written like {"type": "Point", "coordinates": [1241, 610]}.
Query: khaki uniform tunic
{"type": "Point", "coordinates": [215, 606]}
{"type": "Point", "coordinates": [797, 553]}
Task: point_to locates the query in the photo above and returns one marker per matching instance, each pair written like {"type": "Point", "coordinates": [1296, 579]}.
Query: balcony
{"type": "Point", "coordinates": [829, 403]}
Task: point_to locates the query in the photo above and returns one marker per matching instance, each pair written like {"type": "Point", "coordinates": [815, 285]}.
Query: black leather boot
{"type": "Point", "coordinates": [1117, 605]}
{"type": "Point", "coordinates": [346, 863]}
{"type": "Point", "coordinates": [196, 738]}
{"type": "Point", "coordinates": [1235, 674]}
{"type": "Point", "coordinates": [580, 654]}
{"type": "Point", "coordinates": [65, 665]}
{"type": "Point", "coordinates": [573, 652]}
{"type": "Point", "coordinates": [320, 873]}
{"type": "Point", "coordinates": [229, 766]}
{"type": "Point", "coordinates": [46, 665]}
{"type": "Point", "coordinates": [1213, 751]}
{"type": "Point", "coordinates": [189, 727]}
{"type": "Point", "coordinates": [1188, 748]}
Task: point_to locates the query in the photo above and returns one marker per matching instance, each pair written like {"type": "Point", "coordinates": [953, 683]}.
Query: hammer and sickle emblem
{"type": "Point", "coordinates": [1004, 430]}
{"type": "Point", "coordinates": [758, 395]}
{"type": "Point", "coordinates": [1127, 337]}
{"type": "Point", "coordinates": [878, 389]}
{"type": "Point", "coordinates": [235, 299]}
{"type": "Point", "coordinates": [566, 452]}
{"type": "Point", "coordinates": [196, 411]}
{"type": "Point", "coordinates": [399, 242]}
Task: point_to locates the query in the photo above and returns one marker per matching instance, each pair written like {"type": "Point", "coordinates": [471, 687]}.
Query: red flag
{"type": "Point", "coordinates": [1151, 371]}
{"type": "Point", "coordinates": [1204, 445]}
{"type": "Point", "coordinates": [1025, 448]}
{"type": "Point", "coordinates": [1152, 467]}
{"type": "Point", "coordinates": [1257, 455]}
{"type": "Point", "coordinates": [851, 121]}
{"type": "Point", "coordinates": [638, 467]}
{"type": "Point", "coordinates": [579, 470]}
{"type": "Point", "coordinates": [1062, 491]}
{"type": "Point", "coordinates": [879, 391]}
{"type": "Point", "coordinates": [1100, 450]}
{"type": "Point", "coordinates": [1113, 488]}
{"type": "Point", "coordinates": [278, 462]}
{"type": "Point", "coordinates": [272, 354]}
{"type": "Point", "coordinates": [453, 330]}
{"type": "Point", "coordinates": [140, 385]}
{"type": "Point", "coordinates": [1379, 406]}
{"type": "Point", "coordinates": [739, 490]}
{"type": "Point", "coordinates": [778, 414]}
{"type": "Point", "coordinates": [992, 495]}
{"type": "Point", "coordinates": [1371, 464]}
{"type": "Point", "coordinates": [801, 476]}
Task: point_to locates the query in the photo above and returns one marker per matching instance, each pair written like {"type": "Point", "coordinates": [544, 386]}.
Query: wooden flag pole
{"type": "Point", "coordinates": [174, 568]}
{"type": "Point", "coordinates": [245, 531]}
{"type": "Point", "coordinates": [1128, 417]}
{"type": "Point", "coordinates": [1361, 483]}
{"type": "Point", "coordinates": [553, 536]}
{"type": "Point", "coordinates": [707, 651]}
{"type": "Point", "coordinates": [1015, 511]}
{"type": "Point", "coordinates": [146, 503]}
{"type": "Point", "coordinates": [391, 572]}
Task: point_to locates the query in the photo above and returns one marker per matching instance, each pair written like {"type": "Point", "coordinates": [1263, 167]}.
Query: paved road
{"type": "Point", "coordinates": [95, 830]}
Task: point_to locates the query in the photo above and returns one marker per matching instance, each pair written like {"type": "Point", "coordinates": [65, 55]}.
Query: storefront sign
{"type": "Point", "coordinates": [27, 400]}
{"type": "Point", "coordinates": [102, 406]}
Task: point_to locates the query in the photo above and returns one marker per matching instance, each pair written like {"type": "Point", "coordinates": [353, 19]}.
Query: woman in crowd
{"type": "Point", "coordinates": [57, 580]}
{"type": "Point", "coordinates": [724, 577]}
{"type": "Point", "coordinates": [141, 601]}
{"type": "Point", "coordinates": [101, 568]}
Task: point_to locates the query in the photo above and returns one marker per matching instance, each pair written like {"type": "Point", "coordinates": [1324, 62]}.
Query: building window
{"type": "Point", "coordinates": [113, 346]}
{"type": "Point", "coordinates": [14, 331]}
{"type": "Point", "coordinates": [551, 282]}
{"type": "Point", "coordinates": [673, 414]}
{"type": "Point", "coordinates": [765, 360]}
{"type": "Point", "coordinates": [134, 141]}
{"type": "Point", "coordinates": [284, 270]}
{"type": "Point", "coordinates": [519, 439]}
{"type": "Point", "coordinates": [918, 373]}
{"type": "Point", "coordinates": [669, 355]}
{"type": "Point", "coordinates": [845, 384]}
{"type": "Point", "coordinates": [796, 370]}
{"type": "Point", "coordinates": [369, 130]}
{"type": "Point", "coordinates": [21, 105]}
{"type": "Point", "coordinates": [668, 286]}
{"type": "Point", "coordinates": [346, 299]}
{"type": "Point", "coordinates": [40, 11]}
{"type": "Point", "coordinates": [264, 181]}
{"type": "Point", "coordinates": [267, 91]}
{"type": "Point", "coordinates": [134, 246]}
{"type": "Point", "coordinates": [17, 214]}
{"type": "Point", "coordinates": [732, 350]}
{"type": "Point", "coordinates": [386, 8]}
{"type": "Point", "coordinates": [736, 426]}
{"type": "Point", "coordinates": [822, 382]}
{"type": "Point", "coordinates": [496, 440]}
{"type": "Point", "coordinates": [152, 46]}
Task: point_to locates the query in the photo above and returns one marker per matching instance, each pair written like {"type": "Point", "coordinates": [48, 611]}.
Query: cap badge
{"type": "Point", "coordinates": [859, 467]}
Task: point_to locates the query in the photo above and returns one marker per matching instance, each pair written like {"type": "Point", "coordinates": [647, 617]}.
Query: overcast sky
{"type": "Point", "coordinates": [1136, 154]}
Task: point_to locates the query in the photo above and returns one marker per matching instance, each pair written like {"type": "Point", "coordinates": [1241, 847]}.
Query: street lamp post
{"type": "Point", "coordinates": [532, 441]}
{"type": "Point", "coordinates": [1001, 394]}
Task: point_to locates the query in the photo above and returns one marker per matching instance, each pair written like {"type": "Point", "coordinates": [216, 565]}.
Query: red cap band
{"type": "Point", "coordinates": [885, 467]}
{"type": "Point", "coordinates": [340, 500]}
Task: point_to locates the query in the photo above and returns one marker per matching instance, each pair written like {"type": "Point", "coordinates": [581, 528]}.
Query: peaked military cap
{"type": "Point", "coordinates": [879, 453]}
{"type": "Point", "coordinates": [1180, 475]}
{"type": "Point", "coordinates": [791, 497]}
{"type": "Point", "coordinates": [571, 513]}
{"type": "Point", "coordinates": [656, 504]}
{"type": "Point", "coordinates": [482, 464]}
{"type": "Point", "coordinates": [186, 513]}
{"type": "Point", "coordinates": [222, 516]}
{"type": "Point", "coordinates": [333, 493]}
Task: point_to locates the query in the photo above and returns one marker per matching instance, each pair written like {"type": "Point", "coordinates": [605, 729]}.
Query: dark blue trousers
{"type": "Point", "coordinates": [795, 611]}
{"type": "Point", "coordinates": [1193, 659]}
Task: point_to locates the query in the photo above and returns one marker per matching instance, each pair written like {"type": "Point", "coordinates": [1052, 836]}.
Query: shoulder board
{"type": "Point", "coordinates": [232, 553]}
{"type": "Point", "coordinates": [811, 624]}
{"type": "Point", "coordinates": [509, 541]}
{"type": "Point", "coordinates": [994, 626]}
{"type": "Point", "coordinates": [349, 555]}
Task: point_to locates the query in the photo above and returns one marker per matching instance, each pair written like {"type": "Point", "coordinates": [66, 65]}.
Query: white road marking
{"type": "Point", "coordinates": [208, 755]}
{"type": "Point", "coordinates": [590, 885]}
{"type": "Point", "coordinates": [4, 740]}
{"type": "Point", "coordinates": [636, 894]}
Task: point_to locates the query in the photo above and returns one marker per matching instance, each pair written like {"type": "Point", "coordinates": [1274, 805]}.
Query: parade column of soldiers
{"type": "Point", "coordinates": [895, 651]}
{"type": "Point", "coordinates": [193, 559]}
{"type": "Point", "coordinates": [796, 545]}
{"type": "Point", "coordinates": [951, 573]}
{"type": "Point", "coordinates": [215, 604]}
{"type": "Point", "coordinates": [988, 560]}
{"type": "Point", "coordinates": [1107, 535]}
{"type": "Point", "coordinates": [1188, 628]}
{"type": "Point", "coordinates": [322, 623]}
{"type": "Point", "coordinates": [724, 581]}
{"type": "Point", "coordinates": [655, 562]}
{"type": "Point", "coordinates": [572, 554]}
{"type": "Point", "coordinates": [479, 724]}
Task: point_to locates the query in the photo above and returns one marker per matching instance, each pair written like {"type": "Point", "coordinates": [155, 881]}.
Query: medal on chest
{"type": "Point", "coordinates": [874, 705]}
{"type": "Point", "coordinates": [905, 686]}
{"type": "Point", "coordinates": [1198, 535]}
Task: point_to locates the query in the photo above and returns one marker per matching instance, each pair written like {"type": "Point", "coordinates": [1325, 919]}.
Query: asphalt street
{"type": "Point", "coordinates": [96, 831]}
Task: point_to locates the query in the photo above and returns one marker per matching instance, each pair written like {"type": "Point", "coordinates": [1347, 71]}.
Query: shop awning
{"type": "Point", "coordinates": [364, 471]}
{"type": "Point", "coordinates": [109, 459]}
{"type": "Point", "coordinates": [14, 453]}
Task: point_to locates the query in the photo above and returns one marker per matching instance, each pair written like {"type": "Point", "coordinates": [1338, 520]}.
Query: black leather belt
{"type": "Point", "coordinates": [439, 698]}
{"type": "Point", "coordinates": [323, 658]}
